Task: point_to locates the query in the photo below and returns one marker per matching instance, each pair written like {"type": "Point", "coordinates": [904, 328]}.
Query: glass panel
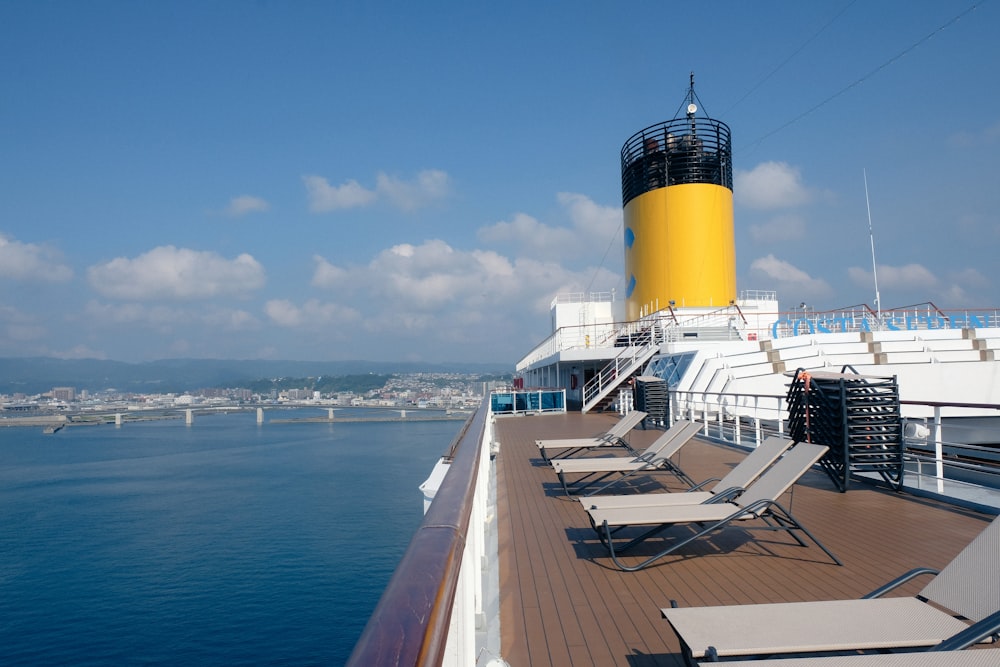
{"type": "Point", "coordinates": [670, 367]}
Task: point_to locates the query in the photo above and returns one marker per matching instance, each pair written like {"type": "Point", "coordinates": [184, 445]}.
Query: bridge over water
{"type": "Point", "coordinates": [327, 415]}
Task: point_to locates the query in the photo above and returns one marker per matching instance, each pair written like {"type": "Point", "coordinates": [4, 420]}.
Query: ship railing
{"type": "Point", "coordinates": [639, 340]}
{"type": "Point", "coordinates": [951, 449]}
{"type": "Point", "coordinates": [799, 321]}
{"type": "Point", "coordinates": [579, 337]}
{"type": "Point", "coordinates": [583, 297]}
{"type": "Point", "coordinates": [626, 362]}
{"type": "Point", "coordinates": [719, 317]}
{"type": "Point", "coordinates": [804, 320]}
{"type": "Point", "coordinates": [436, 609]}
{"type": "Point", "coordinates": [758, 295]}
{"type": "Point", "coordinates": [647, 330]}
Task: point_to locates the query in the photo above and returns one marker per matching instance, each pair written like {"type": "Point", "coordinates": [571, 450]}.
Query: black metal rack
{"type": "Point", "coordinates": [652, 397]}
{"type": "Point", "coordinates": [856, 416]}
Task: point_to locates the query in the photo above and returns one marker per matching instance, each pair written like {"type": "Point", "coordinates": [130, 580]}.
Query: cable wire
{"type": "Point", "coordinates": [789, 58]}
{"type": "Point", "coordinates": [867, 76]}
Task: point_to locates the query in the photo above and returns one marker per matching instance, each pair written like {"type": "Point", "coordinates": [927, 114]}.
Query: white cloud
{"type": "Point", "coordinates": [790, 279]}
{"type": "Point", "coordinates": [283, 312]}
{"type": "Point", "coordinates": [158, 317]}
{"type": "Point", "coordinates": [985, 136]}
{"type": "Point", "coordinates": [588, 217]}
{"type": "Point", "coordinates": [324, 197]}
{"type": "Point", "coordinates": [908, 277]}
{"type": "Point", "coordinates": [18, 326]}
{"type": "Point", "coordinates": [972, 278]}
{"type": "Point", "coordinates": [592, 229]}
{"type": "Point", "coordinates": [528, 233]}
{"type": "Point", "coordinates": [168, 272]}
{"type": "Point", "coordinates": [326, 274]}
{"type": "Point", "coordinates": [458, 296]}
{"type": "Point", "coordinates": [244, 204]}
{"type": "Point", "coordinates": [915, 283]}
{"type": "Point", "coordinates": [31, 262]}
{"type": "Point", "coordinates": [312, 314]}
{"type": "Point", "coordinates": [229, 319]}
{"type": "Point", "coordinates": [406, 300]}
{"type": "Point", "coordinates": [770, 185]}
{"type": "Point", "coordinates": [426, 276]}
{"type": "Point", "coordinates": [167, 319]}
{"type": "Point", "coordinates": [778, 229]}
{"type": "Point", "coordinates": [429, 186]}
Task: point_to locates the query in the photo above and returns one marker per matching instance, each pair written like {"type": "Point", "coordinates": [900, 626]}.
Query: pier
{"type": "Point", "coordinates": [118, 417]}
{"type": "Point", "coordinates": [352, 420]}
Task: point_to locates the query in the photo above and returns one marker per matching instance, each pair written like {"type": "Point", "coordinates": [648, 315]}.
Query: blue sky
{"type": "Point", "coordinates": [416, 181]}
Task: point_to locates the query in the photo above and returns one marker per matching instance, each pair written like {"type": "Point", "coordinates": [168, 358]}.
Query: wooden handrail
{"type": "Point", "coordinates": [410, 623]}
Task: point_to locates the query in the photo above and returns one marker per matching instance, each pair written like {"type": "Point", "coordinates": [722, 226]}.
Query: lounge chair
{"type": "Point", "coordinates": [968, 587]}
{"type": "Point", "coordinates": [988, 657]}
{"type": "Point", "coordinates": [759, 501]}
{"type": "Point", "coordinates": [655, 457]}
{"type": "Point", "coordinates": [726, 488]}
{"type": "Point", "coordinates": [613, 437]}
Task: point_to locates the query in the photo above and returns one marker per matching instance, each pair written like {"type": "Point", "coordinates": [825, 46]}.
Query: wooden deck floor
{"type": "Point", "coordinates": [564, 603]}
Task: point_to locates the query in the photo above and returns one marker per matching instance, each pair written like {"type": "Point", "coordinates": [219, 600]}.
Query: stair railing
{"type": "Point", "coordinates": [624, 363]}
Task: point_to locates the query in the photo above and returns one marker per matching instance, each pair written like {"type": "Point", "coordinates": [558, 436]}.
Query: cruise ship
{"type": "Point", "coordinates": [508, 568]}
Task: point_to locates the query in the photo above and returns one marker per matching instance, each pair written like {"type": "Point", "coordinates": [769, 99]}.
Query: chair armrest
{"type": "Point", "coordinates": [698, 487]}
{"type": "Point", "coordinates": [985, 629]}
{"type": "Point", "coordinates": [899, 581]}
{"type": "Point", "coordinates": [725, 495]}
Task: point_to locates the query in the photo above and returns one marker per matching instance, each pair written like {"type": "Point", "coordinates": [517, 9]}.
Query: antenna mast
{"type": "Point", "coordinates": [871, 236]}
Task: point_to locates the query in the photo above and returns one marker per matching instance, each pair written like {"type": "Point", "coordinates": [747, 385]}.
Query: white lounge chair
{"type": "Point", "coordinates": [967, 588]}
{"type": "Point", "coordinates": [726, 488]}
{"type": "Point", "coordinates": [655, 457]}
{"type": "Point", "coordinates": [758, 502]}
{"type": "Point", "coordinates": [613, 437]}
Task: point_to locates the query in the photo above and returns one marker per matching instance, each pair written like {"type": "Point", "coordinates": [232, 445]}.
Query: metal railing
{"type": "Point", "coordinates": [578, 337]}
{"type": "Point", "coordinates": [769, 325]}
{"type": "Point", "coordinates": [427, 614]}
{"type": "Point", "coordinates": [625, 363]}
{"type": "Point", "coordinates": [639, 340]}
{"type": "Point", "coordinates": [584, 297]}
{"type": "Point", "coordinates": [937, 461]}
{"type": "Point", "coordinates": [683, 150]}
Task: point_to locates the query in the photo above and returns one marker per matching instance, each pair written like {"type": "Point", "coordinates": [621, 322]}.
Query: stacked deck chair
{"type": "Point", "coordinates": [614, 437]}
{"type": "Point", "coordinates": [959, 607]}
{"type": "Point", "coordinates": [728, 487]}
{"type": "Point", "coordinates": [655, 457]}
{"type": "Point", "coordinates": [759, 502]}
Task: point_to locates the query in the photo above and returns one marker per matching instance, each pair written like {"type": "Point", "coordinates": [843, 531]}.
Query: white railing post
{"type": "Point", "coordinates": [938, 450]}
{"type": "Point", "coordinates": [460, 649]}
{"type": "Point", "coordinates": [471, 614]}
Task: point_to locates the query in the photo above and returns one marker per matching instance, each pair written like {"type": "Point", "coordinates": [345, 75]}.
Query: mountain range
{"type": "Point", "coordinates": [35, 375]}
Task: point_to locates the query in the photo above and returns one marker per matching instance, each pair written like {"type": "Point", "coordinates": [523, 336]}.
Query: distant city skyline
{"type": "Point", "coordinates": [35, 376]}
{"type": "Point", "coordinates": [416, 183]}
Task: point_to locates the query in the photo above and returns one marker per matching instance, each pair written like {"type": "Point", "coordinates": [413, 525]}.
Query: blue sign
{"type": "Point", "coordinates": [844, 323]}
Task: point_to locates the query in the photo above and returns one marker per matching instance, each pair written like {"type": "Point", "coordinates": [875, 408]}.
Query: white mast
{"type": "Point", "coordinates": [871, 235]}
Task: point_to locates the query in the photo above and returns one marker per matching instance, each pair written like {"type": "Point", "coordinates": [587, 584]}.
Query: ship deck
{"type": "Point", "coordinates": [563, 602]}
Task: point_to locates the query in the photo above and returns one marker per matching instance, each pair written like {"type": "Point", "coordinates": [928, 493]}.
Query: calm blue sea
{"type": "Point", "coordinates": [222, 543]}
